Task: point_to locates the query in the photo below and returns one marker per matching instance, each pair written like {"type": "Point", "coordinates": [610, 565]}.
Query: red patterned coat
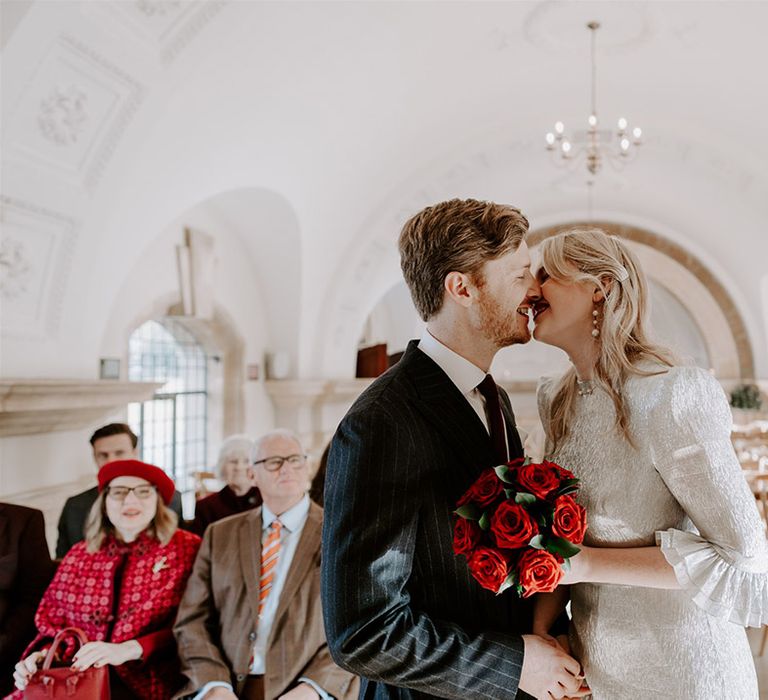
{"type": "Point", "coordinates": [153, 579]}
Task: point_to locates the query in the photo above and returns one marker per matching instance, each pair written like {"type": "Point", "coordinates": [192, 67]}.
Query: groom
{"type": "Point", "coordinates": [400, 609]}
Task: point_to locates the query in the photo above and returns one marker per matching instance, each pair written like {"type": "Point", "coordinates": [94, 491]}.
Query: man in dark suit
{"type": "Point", "coordinates": [401, 610]}
{"type": "Point", "coordinates": [109, 443]}
{"type": "Point", "coordinates": [26, 570]}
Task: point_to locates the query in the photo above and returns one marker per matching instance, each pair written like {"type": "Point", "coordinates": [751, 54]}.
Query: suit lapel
{"type": "Point", "coordinates": [444, 406]}
{"type": "Point", "coordinates": [303, 559]}
{"type": "Point", "coordinates": [250, 557]}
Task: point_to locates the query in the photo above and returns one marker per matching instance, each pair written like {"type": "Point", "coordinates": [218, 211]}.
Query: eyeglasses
{"type": "Point", "coordinates": [273, 464]}
{"type": "Point", "coordinates": [120, 493]}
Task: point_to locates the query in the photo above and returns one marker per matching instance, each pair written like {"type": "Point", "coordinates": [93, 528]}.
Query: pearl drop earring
{"type": "Point", "coordinates": [595, 331]}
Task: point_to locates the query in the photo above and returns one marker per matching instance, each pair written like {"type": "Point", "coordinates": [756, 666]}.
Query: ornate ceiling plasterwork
{"type": "Point", "coordinates": [166, 27]}
{"type": "Point", "coordinates": [625, 27]}
{"type": "Point", "coordinates": [72, 113]}
{"type": "Point", "coordinates": [35, 259]}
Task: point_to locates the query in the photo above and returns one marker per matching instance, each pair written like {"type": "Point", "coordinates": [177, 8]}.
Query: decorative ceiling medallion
{"type": "Point", "coordinates": [63, 116]}
{"type": "Point", "coordinates": [557, 25]}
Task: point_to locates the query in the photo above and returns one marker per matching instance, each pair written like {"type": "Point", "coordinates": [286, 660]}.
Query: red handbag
{"type": "Point", "coordinates": [63, 682]}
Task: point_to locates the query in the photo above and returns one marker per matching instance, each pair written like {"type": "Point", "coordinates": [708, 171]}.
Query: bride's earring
{"type": "Point", "coordinates": [595, 330]}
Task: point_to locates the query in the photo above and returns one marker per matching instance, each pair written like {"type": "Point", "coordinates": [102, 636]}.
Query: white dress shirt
{"type": "Point", "coordinates": [465, 375]}
{"type": "Point", "coordinates": [293, 521]}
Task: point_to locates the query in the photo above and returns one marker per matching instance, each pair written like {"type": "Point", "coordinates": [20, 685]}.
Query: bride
{"type": "Point", "coordinates": [675, 564]}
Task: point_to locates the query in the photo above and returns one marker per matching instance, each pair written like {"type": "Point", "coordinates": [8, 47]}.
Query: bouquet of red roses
{"type": "Point", "coordinates": [518, 525]}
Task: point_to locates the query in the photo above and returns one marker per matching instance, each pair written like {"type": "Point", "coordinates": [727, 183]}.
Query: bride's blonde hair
{"type": "Point", "coordinates": [589, 255]}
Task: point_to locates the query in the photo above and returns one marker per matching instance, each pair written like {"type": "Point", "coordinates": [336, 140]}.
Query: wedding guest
{"type": "Point", "coordinates": [250, 623]}
{"type": "Point", "coordinates": [121, 586]}
{"type": "Point", "coordinates": [239, 494]}
{"type": "Point", "coordinates": [109, 443]}
{"type": "Point", "coordinates": [25, 572]}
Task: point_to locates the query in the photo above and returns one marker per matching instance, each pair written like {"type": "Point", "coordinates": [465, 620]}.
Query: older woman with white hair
{"type": "Point", "coordinates": [239, 494]}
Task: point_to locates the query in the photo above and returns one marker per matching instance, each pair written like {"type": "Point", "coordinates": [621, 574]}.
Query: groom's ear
{"type": "Point", "coordinates": [458, 288]}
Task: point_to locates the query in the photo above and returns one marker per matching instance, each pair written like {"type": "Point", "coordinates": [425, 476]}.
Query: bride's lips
{"type": "Point", "coordinates": [539, 309]}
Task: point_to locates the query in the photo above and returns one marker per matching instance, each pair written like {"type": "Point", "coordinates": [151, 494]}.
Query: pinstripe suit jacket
{"type": "Point", "coordinates": [400, 609]}
{"type": "Point", "coordinates": [216, 623]}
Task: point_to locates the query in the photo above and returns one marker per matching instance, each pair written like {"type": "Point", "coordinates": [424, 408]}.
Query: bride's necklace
{"type": "Point", "coordinates": [585, 388]}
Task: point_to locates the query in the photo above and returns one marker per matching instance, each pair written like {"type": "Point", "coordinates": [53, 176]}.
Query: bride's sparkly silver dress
{"type": "Point", "coordinates": [681, 487]}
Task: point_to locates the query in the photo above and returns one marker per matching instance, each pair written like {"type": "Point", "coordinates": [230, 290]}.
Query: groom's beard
{"type": "Point", "coordinates": [503, 327]}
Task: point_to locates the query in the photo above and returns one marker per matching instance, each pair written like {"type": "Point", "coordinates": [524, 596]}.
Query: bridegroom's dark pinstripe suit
{"type": "Point", "coordinates": [400, 609]}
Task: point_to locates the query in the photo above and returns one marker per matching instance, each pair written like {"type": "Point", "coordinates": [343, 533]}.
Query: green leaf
{"type": "Point", "coordinates": [525, 498]}
{"type": "Point", "coordinates": [509, 493]}
{"type": "Point", "coordinates": [568, 487]}
{"type": "Point", "coordinates": [561, 546]}
{"type": "Point", "coordinates": [485, 521]}
{"type": "Point", "coordinates": [511, 580]}
{"type": "Point", "coordinates": [527, 461]}
{"type": "Point", "coordinates": [537, 542]}
{"type": "Point", "coordinates": [501, 471]}
{"type": "Point", "coordinates": [566, 565]}
{"type": "Point", "coordinates": [469, 511]}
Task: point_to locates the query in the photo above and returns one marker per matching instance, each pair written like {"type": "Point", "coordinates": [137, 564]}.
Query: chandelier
{"type": "Point", "coordinates": [595, 145]}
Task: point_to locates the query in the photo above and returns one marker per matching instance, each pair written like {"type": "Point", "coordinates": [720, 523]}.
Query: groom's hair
{"type": "Point", "coordinates": [460, 235]}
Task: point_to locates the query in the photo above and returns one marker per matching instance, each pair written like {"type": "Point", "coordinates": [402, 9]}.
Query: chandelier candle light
{"type": "Point", "coordinates": [595, 144]}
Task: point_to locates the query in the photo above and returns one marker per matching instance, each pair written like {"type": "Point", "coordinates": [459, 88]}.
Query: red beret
{"type": "Point", "coordinates": [142, 470]}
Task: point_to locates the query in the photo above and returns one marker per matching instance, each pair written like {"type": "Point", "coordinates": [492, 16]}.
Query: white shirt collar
{"type": "Point", "coordinates": [465, 375]}
{"type": "Point", "coordinates": [292, 519]}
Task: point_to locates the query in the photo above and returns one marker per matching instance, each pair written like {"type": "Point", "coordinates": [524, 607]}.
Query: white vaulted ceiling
{"type": "Point", "coordinates": [327, 123]}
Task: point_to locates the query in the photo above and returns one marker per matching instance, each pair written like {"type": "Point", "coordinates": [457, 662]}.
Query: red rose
{"type": "Point", "coordinates": [512, 526]}
{"type": "Point", "coordinates": [538, 479]}
{"type": "Point", "coordinates": [489, 568]}
{"type": "Point", "coordinates": [484, 491]}
{"type": "Point", "coordinates": [564, 473]}
{"type": "Point", "coordinates": [569, 520]}
{"type": "Point", "coordinates": [466, 535]}
{"type": "Point", "coordinates": [539, 572]}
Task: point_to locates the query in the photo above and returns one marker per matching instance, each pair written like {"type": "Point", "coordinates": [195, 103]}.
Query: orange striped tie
{"type": "Point", "coordinates": [270, 553]}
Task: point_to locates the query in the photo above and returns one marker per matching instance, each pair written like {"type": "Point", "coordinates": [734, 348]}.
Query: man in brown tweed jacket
{"type": "Point", "coordinates": [250, 623]}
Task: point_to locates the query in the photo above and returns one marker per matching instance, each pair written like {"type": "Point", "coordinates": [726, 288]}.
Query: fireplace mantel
{"type": "Point", "coordinates": [34, 406]}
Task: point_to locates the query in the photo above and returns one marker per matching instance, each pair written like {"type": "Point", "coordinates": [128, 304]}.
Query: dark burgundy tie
{"type": "Point", "coordinates": [490, 393]}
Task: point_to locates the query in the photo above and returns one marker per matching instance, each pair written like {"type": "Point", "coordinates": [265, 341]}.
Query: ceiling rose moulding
{"type": "Point", "coordinates": [35, 259]}
{"type": "Point", "coordinates": [34, 406]}
{"type": "Point", "coordinates": [555, 26]}
{"type": "Point", "coordinates": [72, 113]}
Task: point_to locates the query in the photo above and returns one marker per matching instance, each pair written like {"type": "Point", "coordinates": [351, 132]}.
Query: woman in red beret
{"type": "Point", "coordinates": [121, 586]}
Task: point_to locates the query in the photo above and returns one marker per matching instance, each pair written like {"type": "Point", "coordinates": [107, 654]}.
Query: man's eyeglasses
{"type": "Point", "coordinates": [273, 464]}
{"type": "Point", "coordinates": [120, 493]}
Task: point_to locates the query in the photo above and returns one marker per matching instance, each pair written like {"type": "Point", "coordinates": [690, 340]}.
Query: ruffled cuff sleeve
{"type": "Point", "coordinates": [718, 579]}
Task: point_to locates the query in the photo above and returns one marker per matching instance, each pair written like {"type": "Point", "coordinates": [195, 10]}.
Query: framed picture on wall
{"type": "Point", "coordinates": [109, 368]}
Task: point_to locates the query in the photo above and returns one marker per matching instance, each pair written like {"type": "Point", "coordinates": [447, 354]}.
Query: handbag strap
{"type": "Point", "coordinates": [61, 636]}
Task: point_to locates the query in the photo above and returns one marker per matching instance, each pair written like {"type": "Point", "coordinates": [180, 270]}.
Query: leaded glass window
{"type": "Point", "coordinates": [172, 425]}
